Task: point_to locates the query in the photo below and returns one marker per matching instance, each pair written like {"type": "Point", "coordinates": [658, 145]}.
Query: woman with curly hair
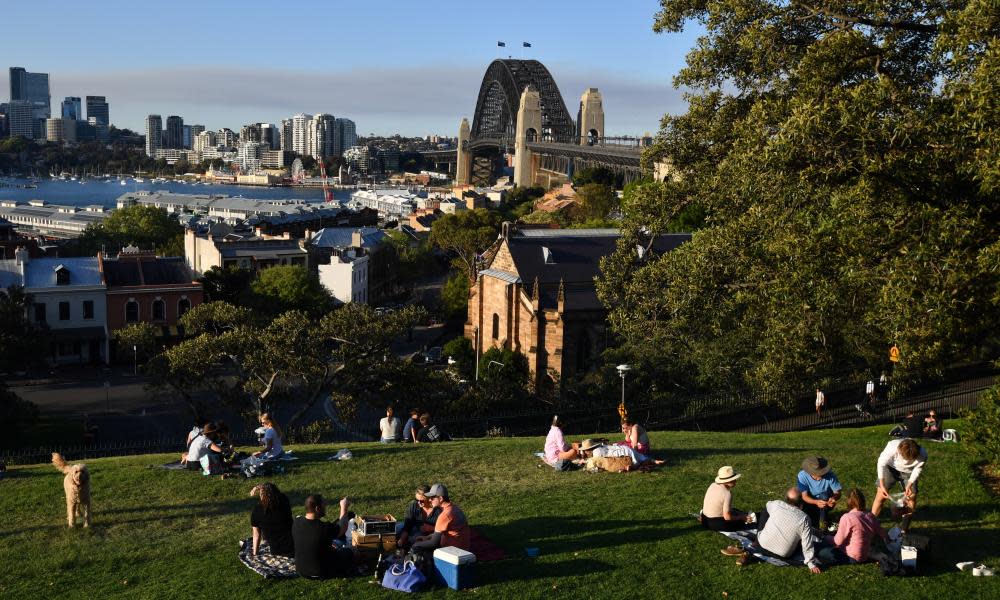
{"type": "Point", "coordinates": [271, 520]}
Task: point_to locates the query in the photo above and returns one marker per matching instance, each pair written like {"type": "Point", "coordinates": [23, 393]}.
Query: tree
{"type": "Point", "coordinates": [230, 284]}
{"type": "Point", "coordinates": [22, 344]}
{"type": "Point", "coordinates": [17, 415]}
{"type": "Point", "coordinates": [146, 227]}
{"type": "Point", "coordinates": [289, 287]}
{"type": "Point", "coordinates": [455, 294]}
{"type": "Point", "coordinates": [846, 160]}
{"type": "Point", "coordinates": [466, 235]}
{"type": "Point", "coordinates": [596, 201]}
{"type": "Point", "coordinates": [141, 336]}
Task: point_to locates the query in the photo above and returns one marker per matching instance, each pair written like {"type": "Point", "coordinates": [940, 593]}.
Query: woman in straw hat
{"type": "Point", "coordinates": [717, 512]}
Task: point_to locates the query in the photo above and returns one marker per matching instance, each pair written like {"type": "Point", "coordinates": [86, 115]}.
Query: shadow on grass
{"type": "Point", "coordinates": [675, 455]}
{"type": "Point", "coordinates": [558, 534]}
{"type": "Point", "coordinates": [528, 570]}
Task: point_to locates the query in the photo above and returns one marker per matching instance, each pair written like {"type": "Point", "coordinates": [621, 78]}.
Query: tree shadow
{"type": "Point", "coordinates": [527, 570]}
{"type": "Point", "coordinates": [550, 534]}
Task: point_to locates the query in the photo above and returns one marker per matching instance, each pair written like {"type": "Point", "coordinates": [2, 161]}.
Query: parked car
{"type": "Point", "coordinates": [434, 355]}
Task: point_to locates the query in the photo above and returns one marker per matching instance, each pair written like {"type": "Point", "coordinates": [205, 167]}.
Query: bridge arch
{"type": "Point", "coordinates": [500, 94]}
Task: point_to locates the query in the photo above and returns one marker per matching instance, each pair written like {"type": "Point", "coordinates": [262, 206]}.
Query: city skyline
{"type": "Point", "coordinates": [403, 80]}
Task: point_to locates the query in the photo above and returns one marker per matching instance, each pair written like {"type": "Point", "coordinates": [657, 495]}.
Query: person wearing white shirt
{"type": "Point", "coordinates": [820, 400]}
{"type": "Point", "coordinates": [902, 461]}
{"type": "Point", "coordinates": [272, 438]}
{"type": "Point", "coordinates": [389, 427]}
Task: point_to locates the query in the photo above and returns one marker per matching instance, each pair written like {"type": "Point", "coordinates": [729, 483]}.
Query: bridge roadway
{"type": "Point", "coordinates": [627, 154]}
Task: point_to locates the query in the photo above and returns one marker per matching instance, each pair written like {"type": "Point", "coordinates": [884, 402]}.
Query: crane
{"type": "Point", "coordinates": [327, 194]}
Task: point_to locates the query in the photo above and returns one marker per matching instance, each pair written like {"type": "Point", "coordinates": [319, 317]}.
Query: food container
{"type": "Point", "coordinates": [376, 524]}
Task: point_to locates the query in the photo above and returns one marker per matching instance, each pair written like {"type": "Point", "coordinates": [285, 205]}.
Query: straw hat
{"type": "Point", "coordinates": [816, 465]}
{"type": "Point", "coordinates": [589, 444]}
{"type": "Point", "coordinates": [727, 474]}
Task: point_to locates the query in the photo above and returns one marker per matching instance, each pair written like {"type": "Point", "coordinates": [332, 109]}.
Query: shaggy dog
{"type": "Point", "coordinates": [77, 487]}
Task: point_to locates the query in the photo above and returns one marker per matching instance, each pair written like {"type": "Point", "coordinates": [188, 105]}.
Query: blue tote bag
{"type": "Point", "coordinates": [404, 577]}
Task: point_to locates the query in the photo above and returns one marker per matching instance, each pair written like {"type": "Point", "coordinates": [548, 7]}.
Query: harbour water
{"type": "Point", "coordinates": [106, 192]}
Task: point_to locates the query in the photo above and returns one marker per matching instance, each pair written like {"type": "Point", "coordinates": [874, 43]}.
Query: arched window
{"type": "Point", "coordinates": [496, 326]}
{"type": "Point", "coordinates": [131, 311]}
{"type": "Point", "coordinates": [159, 310]}
{"type": "Point", "coordinates": [183, 305]}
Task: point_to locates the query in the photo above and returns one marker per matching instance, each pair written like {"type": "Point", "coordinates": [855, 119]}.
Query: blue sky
{"type": "Point", "coordinates": [392, 66]}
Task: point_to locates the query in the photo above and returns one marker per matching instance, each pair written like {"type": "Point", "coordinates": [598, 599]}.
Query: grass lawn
{"type": "Point", "coordinates": [166, 534]}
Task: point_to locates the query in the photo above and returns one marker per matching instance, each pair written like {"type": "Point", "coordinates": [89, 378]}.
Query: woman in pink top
{"type": "Point", "coordinates": [857, 528]}
{"type": "Point", "coordinates": [558, 453]}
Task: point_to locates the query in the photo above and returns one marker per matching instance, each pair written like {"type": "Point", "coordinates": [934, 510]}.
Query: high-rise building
{"type": "Point", "coordinates": [226, 137]}
{"type": "Point", "coordinates": [348, 136]}
{"type": "Point", "coordinates": [186, 136]}
{"type": "Point", "coordinates": [60, 130]}
{"type": "Point", "coordinates": [285, 143]}
{"type": "Point", "coordinates": [154, 134]}
{"type": "Point", "coordinates": [195, 130]}
{"type": "Point", "coordinates": [321, 135]}
{"type": "Point", "coordinates": [175, 132]}
{"type": "Point", "coordinates": [250, 133]}
{"type": "Point", "coordinates": [250, 155]}
{"type": "Point", "coordinates": [97, 107]}
{"type": "Point", "coordinates": [71, 108]}
{"type": "Point", "coordinates": [34, 89]}
{"type": "Point", "coordinates": [300, 133]}
{"type": "Point", "coordinates": [204, 140]}
{"type": "Point", "coordinates": [21, 119]}
{"type": "Point", "coordinates": [270, 134]}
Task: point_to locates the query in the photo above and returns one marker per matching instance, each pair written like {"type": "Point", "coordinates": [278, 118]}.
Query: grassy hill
{"type": "Point", "coordinates": [164, 534]}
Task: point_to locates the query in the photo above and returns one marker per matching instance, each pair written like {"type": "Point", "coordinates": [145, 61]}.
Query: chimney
{"type": "Point", "coordinates": [258, 231]}
{"type": "Point", "coordinates": [356, 239]}
{"type": "Point", "coordinates": [21, 255]}
{"type": "Point", "coordinates": [505, 230]}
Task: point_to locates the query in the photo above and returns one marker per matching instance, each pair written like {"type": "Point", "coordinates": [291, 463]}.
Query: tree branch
{"type": "Point", "coordinates": [897, 24]}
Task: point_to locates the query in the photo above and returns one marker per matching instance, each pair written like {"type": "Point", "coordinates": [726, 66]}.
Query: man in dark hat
{"type": "Point", "coordinates": [820, 490]}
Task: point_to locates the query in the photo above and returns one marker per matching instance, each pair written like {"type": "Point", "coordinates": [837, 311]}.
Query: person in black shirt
{"type": "Point", "coordinates": [271, 520]}
{"type": "Point", "coordinates": [315, 555]}
{"type": "Point", "coordinates": [911, 427]}
{"type": "Point", "coordinates": [419, 513]}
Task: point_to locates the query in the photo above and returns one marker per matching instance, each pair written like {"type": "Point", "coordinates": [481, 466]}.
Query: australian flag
{"type": "Point", "coordinates": [526, 44]}
{"type": "Point", "coordinates": [502, 44]}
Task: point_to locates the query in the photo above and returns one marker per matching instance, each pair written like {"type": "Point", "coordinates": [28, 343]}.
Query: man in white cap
{"type": "Point", "coordinates": [451, 527]}
{"type": "Point", "coordinates": [717, 512]}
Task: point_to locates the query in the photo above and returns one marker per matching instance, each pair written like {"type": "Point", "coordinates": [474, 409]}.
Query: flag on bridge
{"type": "Point", "coordinates": [526, 44]}
{"type": "Point", "coordinates": [501, 44]}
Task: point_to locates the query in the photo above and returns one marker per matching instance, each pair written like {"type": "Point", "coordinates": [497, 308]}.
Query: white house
{"type": "Point", "coordinates": [346, 277]}
{"type": "Point", "coordinates": [69, 298]}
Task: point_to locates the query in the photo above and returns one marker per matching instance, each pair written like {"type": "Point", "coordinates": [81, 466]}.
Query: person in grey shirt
{"type": "Point", "coordinates": [787, 527]}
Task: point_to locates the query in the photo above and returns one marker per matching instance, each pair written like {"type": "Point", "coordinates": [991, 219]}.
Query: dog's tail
{"type": "Point", "coordinates": [59, 462]}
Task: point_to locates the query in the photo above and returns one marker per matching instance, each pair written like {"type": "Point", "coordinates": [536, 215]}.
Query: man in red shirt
{"type": "Point", "coordinates": [451, 527]}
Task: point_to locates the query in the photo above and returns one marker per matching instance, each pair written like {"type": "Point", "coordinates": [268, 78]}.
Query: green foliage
{"type": "Point", "coordinates": [172, 247]}
{"type": "Point", "coordinates": [230, 284]}
{"type": "Point", "coordinates": [140, 335]}
{"type": "Point", "coordinates": [288, 287]}
{"type": "Point", "coordinates": [22, 344]}
{"type": "Point", "coordinates": [16, 414]}
{"type": "Point", "coordinates": [503, 380]}
{"type": "Point", "coordinates": [146, 227]}
{"type": "Point", "coordinates": [846, 175]}
{"type": "Point", "coordinates": [466, 235]}
{"type": "Point", "coordinates": [983, 430]}
{"type": "Point", "coordinates": [455, 294]}
{"type": "Point", "coordinates": [542, 217]}
{"type": "Point", "coordinates": [460, 350]}
{"type": "Point", "coordinates": [599, 175]}
{"type": "Point", "coordinates": [520, 195]}
{"type": "Point", "coordinates": [416, 257]}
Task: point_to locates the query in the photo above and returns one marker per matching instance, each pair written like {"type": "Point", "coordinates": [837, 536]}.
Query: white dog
{"type": "Point", "coordinates": [77, 487]}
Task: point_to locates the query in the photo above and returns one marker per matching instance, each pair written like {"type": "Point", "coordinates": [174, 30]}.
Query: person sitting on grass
{"type": "Point", "coordinates": [820, 490]}
{"type": "Point", "coordinates": [316, 556]}
{"type": "Point", "coordinates": [599, 450]}
{"type": "Point", "coordinates": [636, 437]}
{"type": "Point", "coordinates": [932, 426]}
{"type": "Point", "coordinates": [389, 427]}
{"type": "Point", "coordinates": [429, 432]}
{"type": "Point", "coordinates": [419, 518]}
{"type": "Point", "coordinates": [558, 453]}
{"type": "Point", "coordinates": [451, 527]}
{"type": "Point", "coordinates": [412, 426]}
{"type": "Point", "coordinates": [272, 438]}
{"type": "Point", "coordinates": [782, 529]}
{"type": "Point", "coordinates": [199, 426]}
{"type": "Point", "coordinates": [856, 530]}
{"type": "Point", "coordinates": [717, 512]}
{"type": "Point", "coordinates": [911, 427]}
{"type": "Point", "coordinates": [201, 446]}
{"type": "Point", "coordinates": [271, 521]}
{"type": "Point", "coordinates": [901, 462]}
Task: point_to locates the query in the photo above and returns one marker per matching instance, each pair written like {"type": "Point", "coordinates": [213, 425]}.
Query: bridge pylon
{"type": "Point", "coordinates": [464, 167]}
{"type": "Point", "coordinates": [529, 127]}
{"type": "Point", "coordinates": [590, 119]}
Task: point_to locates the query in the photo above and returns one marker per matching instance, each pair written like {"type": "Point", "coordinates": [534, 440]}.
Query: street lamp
{"type": "Point", "coordinates": [622, 371]}
{"type": "Point", "coordinates": [475, 352]}
{"type": "Point", "coordinates": [135, 360]}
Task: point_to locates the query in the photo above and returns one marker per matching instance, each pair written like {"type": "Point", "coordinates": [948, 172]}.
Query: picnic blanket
{"type": "Point", "coordinates": [172, 466]}
{"type": "Point", "coordinates": [270, 566]}
{"type": "Point", "coordinates": [484, 548]}
{"type": "Point", "coordinates": [747, 539]}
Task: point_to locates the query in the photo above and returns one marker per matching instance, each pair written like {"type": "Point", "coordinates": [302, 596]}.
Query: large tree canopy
{"type": "Point", "coordinates": [846, 157]}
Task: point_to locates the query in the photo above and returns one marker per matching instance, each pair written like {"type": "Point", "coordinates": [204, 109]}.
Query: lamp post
{"type": "Point", "coordinates": [135, 360]}
{"type": "Point", "coordinates": [622, 371]}
{"type": "Point", "coordinates": [475, 352]}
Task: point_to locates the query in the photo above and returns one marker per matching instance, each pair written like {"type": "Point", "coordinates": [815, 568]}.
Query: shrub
{"type": "Point", "coordinates": [983, 431]}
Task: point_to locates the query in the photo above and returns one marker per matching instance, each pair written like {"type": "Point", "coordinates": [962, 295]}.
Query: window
{"type": "Point", "coordinates": [159, 310]}
{"type": "Point", "coordinates": [64, 311]}
{"type": "Point", "coordinates": [183, 305]}
{"type": "Point", "coordinates": [88, 309]}
{"type": "Point", "coordinates": [496, 326]}
{"type": "Point", "coordinates": [62, 275]}
{"type": "Point", "coordinates": [39, 312]}
{"type": "Point", "coordinates": [131, 311]}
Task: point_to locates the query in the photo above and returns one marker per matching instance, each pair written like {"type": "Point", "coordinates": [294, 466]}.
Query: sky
{"type": "Point", "coordinates": [393, 66]}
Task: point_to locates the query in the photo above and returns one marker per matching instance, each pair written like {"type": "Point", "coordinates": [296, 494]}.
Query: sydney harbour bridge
{"type": "Point", "coordinates": [521, 117]}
